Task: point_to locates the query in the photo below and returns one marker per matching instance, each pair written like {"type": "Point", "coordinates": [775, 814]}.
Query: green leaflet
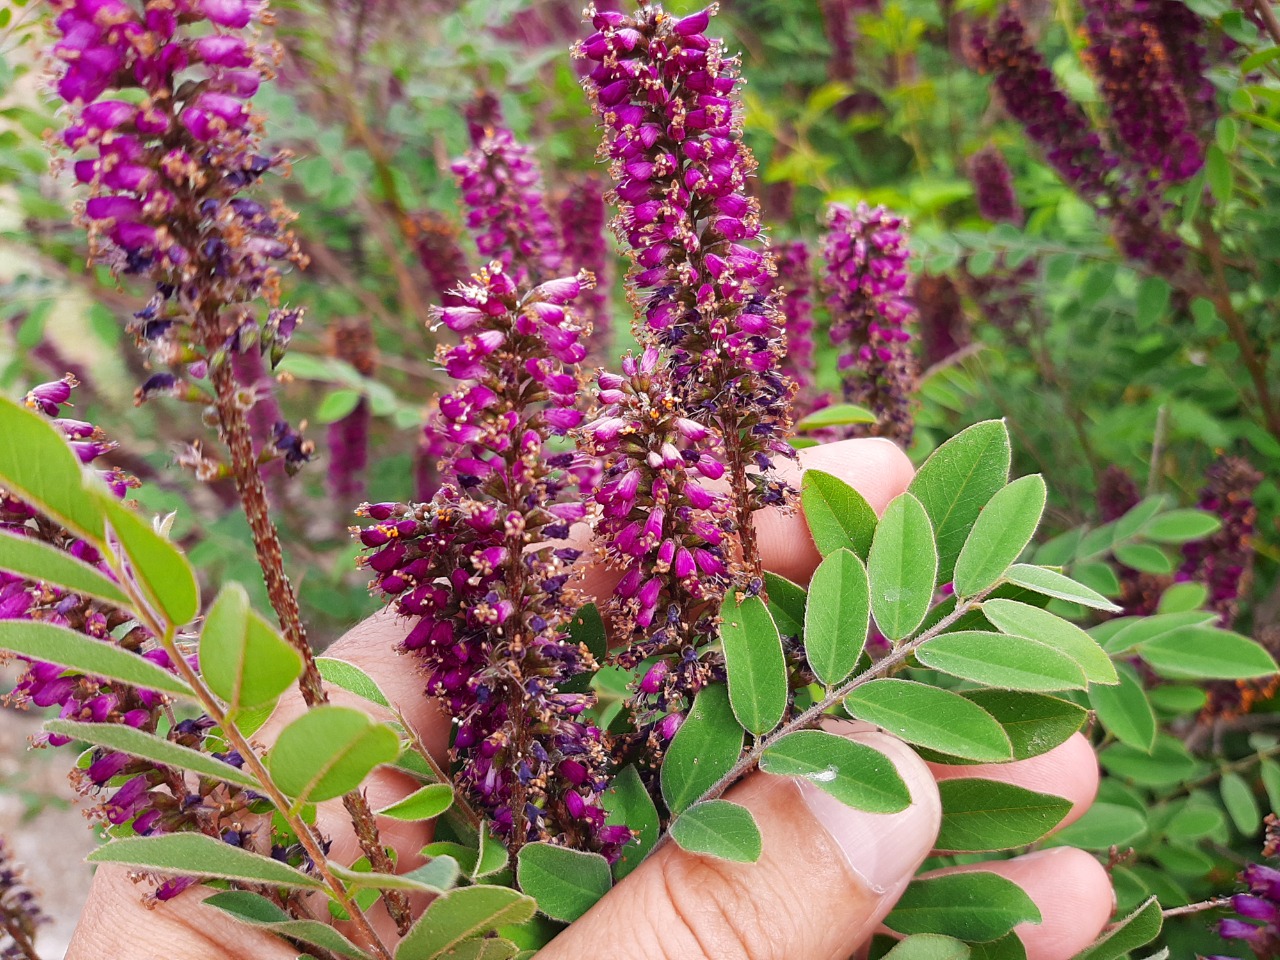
{"type": "Point", "coordinates": [1034, 723]}
{"type": "Point", "coordinates": [704, 749]}
{"type": "Point", "coordinates": [262, 913]}
{"type": "Point", "coordinates": [352, 679]}
{"type": "Point", "coordinates": [997, 660]}
{"type": "Point", "coordinates": [837, 614]}
{"type": "Point", "coordinates": [929, 946]}
{"type": "Point", "coordinates": [838, 516]}
{"type": "Point", "coordinates": [853, 773]}
{"type": "Point", "coordinates": [903, 567]}
{"type": "Point", "coordinates": [39, 561]}
{"type": "Point", "coordinates": [44, 641]}
{"type": "Point", "coordinates": [979, 814]}
{"type": "Point", "coordinates": [754, 662]}
{"type": "Point", "coordinates": [1023, 620]}
{"type": "Point", "coordinates": [931, 717]}
{"type": "Point", "coordinates": [1051, 583]}
{"type": "Point", "coordinates": [242, 657]}
{"type": "Point", "coordinates": [160, 569]}
{"type": "Point", "coordinates": [1136, 930]}
{"type": "Point", "coordinates": [148, 746]}
{"type": "Point", "coordinates": [973, 906]}
{"type": "Point", "coordinates": [1207, 653]}
{"type": "Point", "coordinates": [1125, 710]}
{"type": "Point", "coordinates": [628, 802]}
{"type": "Point", "coordinates": [999, 535]}
{"type": "Point", "coordinates": [566, 883]}
{"type": "Point", "coordinates": [957, 481]}
{"type": "Point", "coordinates": [836, 415]}
{"type": "Point", "coordinates": [461, 915]}
{"type": "Point", "coordinates": [425, 803]}
{"type": "Point", "coordinates": [194, 853]}
{"type": "Point", "coordinates": [328, 751]}
{"type": "Point", "coordinates": [786, 604]}
{"type": "Point", "coordinates": [718, 828]}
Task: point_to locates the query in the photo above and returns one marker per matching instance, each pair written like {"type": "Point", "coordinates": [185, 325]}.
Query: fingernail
{"type": "Point", "coordinates": [884, 849]}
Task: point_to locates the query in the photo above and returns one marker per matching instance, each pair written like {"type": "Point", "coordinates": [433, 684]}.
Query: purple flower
{"type": "Point", "coordinates": [993, 187]}
{"type": "Point", "coordinates": [435, 240]}
{"type": "Point", "coordinates": [866, 282]}
{"type": "Point", "coordinates": [944, 328]}
{"type": "Point", "coordinates": [795, 285]}
{"type": "Point", "coordinates": [1223, 562]}
{"type": "Point", "coordinates": [502, 191]}
{"type": "Point", "coordinates": [582, 227]}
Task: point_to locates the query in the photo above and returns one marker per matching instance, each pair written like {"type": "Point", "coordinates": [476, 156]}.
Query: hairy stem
{"type": "Point", "coordinates": [270, 553]}
{"type": "Point", "coordinates": [1214, 903]}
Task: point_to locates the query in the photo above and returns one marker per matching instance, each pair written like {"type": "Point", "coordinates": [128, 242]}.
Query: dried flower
{"type": "Point", "coordinates": [502, 190]}
{"type": "Point", "coordinates": [484, 567]}
{"type": "Point", "coordinates": [866, 281]}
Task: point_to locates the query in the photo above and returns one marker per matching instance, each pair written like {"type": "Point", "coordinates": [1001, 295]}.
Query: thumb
{"type": "Point", "coordinates": [827, 875]}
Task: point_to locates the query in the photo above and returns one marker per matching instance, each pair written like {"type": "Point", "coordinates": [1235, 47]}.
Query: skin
{"type": "Point", "coordinates": [808, 898]}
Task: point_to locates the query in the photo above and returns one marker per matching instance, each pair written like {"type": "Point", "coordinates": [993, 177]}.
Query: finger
{"type": "Point", "coordinates": [875, 467]}
{"type": "Point", "coordinates": [1072, 890]}
{"type": "Point", "coordinates": [1069, 770]}
{"type": "Point", "coordinates": [117, 923]}
{"type": "Point", "coordinates": [827, 875]}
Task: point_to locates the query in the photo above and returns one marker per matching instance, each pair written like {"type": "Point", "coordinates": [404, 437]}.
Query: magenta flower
{"type": "Point", "coordinates": [1223, 562]}
{"type": "Point", "coordinates": [944, 328]}
{"type": "Point", "coordinates": [435, 240]}
{"type": "Point", "coordinates": [993, 187]}
{"type": "Point", "coordinates": [795, 285]}
{"type": "Point", "coordinates": [866, 281]}
{"type": "Point", "coordinates": [582, 226]}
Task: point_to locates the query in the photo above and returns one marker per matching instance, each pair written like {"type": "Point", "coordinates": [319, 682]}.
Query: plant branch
{"type": "Point", "coordinates": [1226, 768]}
{"type": "Point", "coordinates": [1214, 903]}
{"type": "Point", "coordinates": [270, 553]}
{"type": "Point", "coordinates": [1268, 17]}
{"type": "Point", "coordinates": [13, 927]}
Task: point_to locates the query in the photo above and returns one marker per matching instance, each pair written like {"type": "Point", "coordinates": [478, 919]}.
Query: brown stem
{"type": "Point", "coordinates": [1268, 16]}
{"type": "Point", "coordinates": [266, 542]}
{"type": "Point", "coordinates": [1253, 362]}
{"type": "Point", "coordinates": [18, 935]}
{"type": "Point", "coordinates": [742, 499]}
{"type": "Point", "coordinates": [1214, 903]}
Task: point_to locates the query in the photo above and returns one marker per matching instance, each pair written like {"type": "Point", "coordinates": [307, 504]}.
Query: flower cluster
{"type": "Point", "coordinates": [993, 186]}
{"type": "Point", "coordinates": [1116, 495]}
{"type": "Point", "coordinates": [20, 914]}
{"type": "Point", "coordinates": [1257, 920]}
{"type": "Point", "coordinates": [795, 286]}
{"type": "Point", "coordinates": [1149, 111]}
{"type": "Point", "coordinates": [1183, 34]}
{"type": "Point", "coordinates": [484, 567]}
{"type": "Point", "coordinates": [166, 163]}
{"type": "Point", "coordinates": [435, 241]}
{"type": "Point", "coordinates": [1054, 121]}
{"type": "Point", "coordinates": [667, 97]}
{"type": "Point", "coordinates": [1223, 561]}
{"type": "Point", "coordinates": [583, 219]}
{"type": "Point", "coordinates": [502, 191]}
{"type": "Point", "coordinates": [665, 529]}
{"type": "Point", "coordinates": [866, 282]}
{"type": "Point", "coordinates": [351, 339]}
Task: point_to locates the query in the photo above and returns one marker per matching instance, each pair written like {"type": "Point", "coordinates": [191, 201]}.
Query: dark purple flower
{"type": "Point", "coordinates": [993, 187]}
{"type": "Point", "coordinates": [795, 286]}
{"type": "Point", "coordinates": [583, 219]}
{"type": "Point", "coordinates": [1223, 562]}
{"type": "Point", "coordinates": [435, 240]}
{"type": "Point", "coordinates": [944, 327]}
{"type": "Point", "coordinates": [866, 282]}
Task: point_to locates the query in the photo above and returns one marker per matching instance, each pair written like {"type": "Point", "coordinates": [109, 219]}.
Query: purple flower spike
{"type": "Point", "coordinates": [993, 187]}
{"type": "Point", "coordinates": [866, 281]}
{"type": "Point", "coordinates": [582, 226]}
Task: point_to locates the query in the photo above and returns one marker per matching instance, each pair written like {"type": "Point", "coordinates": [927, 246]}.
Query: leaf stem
{"type": "Point", "coordinates": [751, 759]}
{"type": "Point", "coordinates": [1214, 903]}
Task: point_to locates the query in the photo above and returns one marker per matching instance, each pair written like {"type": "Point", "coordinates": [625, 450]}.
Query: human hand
{"type": "Point", "coordinates": [827, 876]}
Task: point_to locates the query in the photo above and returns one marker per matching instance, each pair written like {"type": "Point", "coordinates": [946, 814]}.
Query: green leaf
{"type": "Point", "coordinates": [980, 814]}
{"type": "Point", "coordinates": [352, 679]}
{"type": "Point", "coordinates": [998, 660]}
{"type": "Point", "coordinates": [903, 568]}
{"type": "Point", "coordinates": [957, 481]}
{"type": "Point", "coordinates": [242, 658]}
{"type": "Point", "coordinates": [148, 746]}
{"type": "Point", "coordinates": [1051, 583]}
{"type": "Point", "coordinates": [627, 801]}
{"type": "Point", "coordinates": [1024, 620]}
{"type": "Point", "coordinates": [35, 560]}
{"type": "Point", "coordinates": [1000, 534]}
{"type": "Point", "coordinates": [754, 663]}
{"type": "Point", "coordinates": [1168, 762]}
{"type": "Point", "coordinates": [1207, 653]}
{"type": "Point", "coordinates": [1138, 630]}
{"type": "Point", "coordinates": [1125, 711]}
{"type": "Point", "coordinates": [836, 415]}
{"type": "Point", "coordinates": [930, 717]}
{"type": "Point", "coordinates": [433, 877]}
{"type": "Point", "coordinates": [1241, 804]}
{"type": "Point", "coordinates": [1180, 526]}
{"type": "Point", "coordinates": [853, 773]}
{"type": "Point", "coordinates": [463, 914]}
{"type": "Point", "coordinates": [566, 883]}
{"type": "Point", "coordinates": [837, 614]}
{"type": "Point", "coordinates": [491, 854]}
{"type": "Point", "coordinates": [704, 749]}
{"type": "Point", "coordinates": [1178, 698]}
{"type": "Point", "coordinates": [1008, 947]}
{"type": "Point", "coordinates": [1103, 826]}
{"type": "Point", "coordinates": [425, 803]}
{"type": "Point", "coordinates": [786, 604]}
{"type": "Point", "coordinates": [838, 515]}
{"type": "Point", "coordinates": [1181, 597]}
{"type": "Point", "coordinates": [587, 627]}
{"type": "Point", "coordinates": [488, 948]}
{"type": "Point", "coordinates": [1270, 772]}
{"type": "Point", "coordinates": [337, 404]}
{"type": "Point", "coordinates": [328, 751]}
{"type": "Point", "coordinates": [1153, 300]}
{"type": "Point", "coordinates": [38, 467]}
{"type": "Point", "coordinates": [718, 828]}
{"type": "Point", "coordinates": [262, 913]}
{"type": "Point", "coordinates": [929, 946]}
{"type": "Point", "coordinates": [1034, 723]}
{"type": "Point", "coordinates": [187, 854]}
{"type": "Point", "coordinates": [40, 640]}
{"type": "Point", "coordinates": [1135, 519]}
{"type": "Point", "coordinates": [1144, 558]}
{"type": "Point", "coordinates": [974, 906]}
{"type": "Point", "coordinates": [165, 575]}
{"type": "Point", "coordinates": [1136, 930]}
